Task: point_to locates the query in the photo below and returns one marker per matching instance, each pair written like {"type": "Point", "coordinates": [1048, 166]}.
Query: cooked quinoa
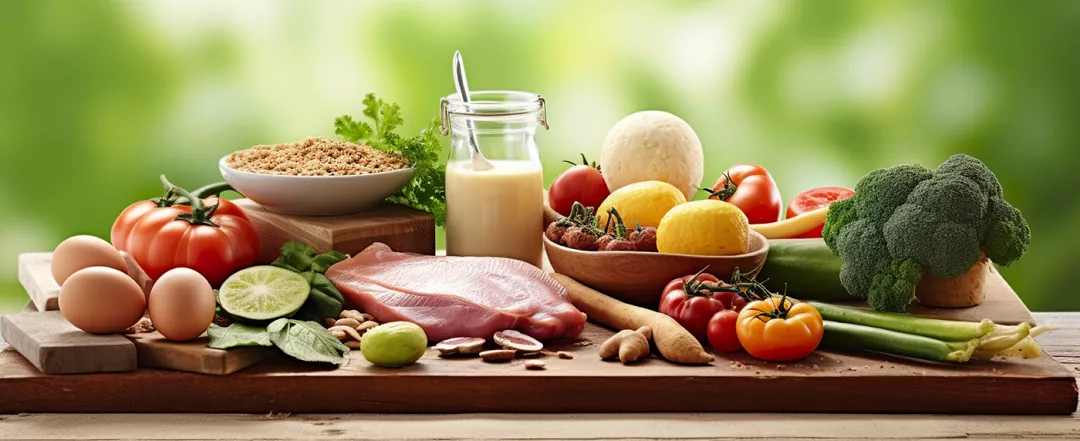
{"type": "Point", "coordinates": [315, 156]}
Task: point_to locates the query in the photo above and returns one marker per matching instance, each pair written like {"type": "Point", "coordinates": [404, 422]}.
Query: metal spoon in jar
{"type": "Point", "coordinates": [479, 163]}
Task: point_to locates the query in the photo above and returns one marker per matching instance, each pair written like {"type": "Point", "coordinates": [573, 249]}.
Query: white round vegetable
{"type": "Point", "coordinates": [652, 146]}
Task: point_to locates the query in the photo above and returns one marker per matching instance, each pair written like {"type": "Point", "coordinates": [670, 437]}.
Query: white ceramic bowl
{"type": "Point", "coordinates": [316, 195]}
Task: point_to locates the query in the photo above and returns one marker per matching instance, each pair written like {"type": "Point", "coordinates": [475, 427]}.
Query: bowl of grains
{"type": "Point", "coordinates": [316, 176]}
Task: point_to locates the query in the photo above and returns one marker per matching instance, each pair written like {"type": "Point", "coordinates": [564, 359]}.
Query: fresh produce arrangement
{"type": "Point", "coordinates": [730, 280]}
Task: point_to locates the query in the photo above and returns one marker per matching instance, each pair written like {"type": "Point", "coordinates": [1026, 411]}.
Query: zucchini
{"type": "Point", "coordinates": [808, 268]}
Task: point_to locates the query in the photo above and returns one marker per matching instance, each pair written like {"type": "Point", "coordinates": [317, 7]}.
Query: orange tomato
{"type": "Point", "coordinates": [777, 330]}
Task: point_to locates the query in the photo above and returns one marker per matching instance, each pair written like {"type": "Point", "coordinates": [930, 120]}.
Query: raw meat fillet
{"type": "Point", "coordinates": [457, 296]}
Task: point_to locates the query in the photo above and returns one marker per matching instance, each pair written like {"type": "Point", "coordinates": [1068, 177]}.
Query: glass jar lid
{"type": "Point", "coordinates": [491, 105]}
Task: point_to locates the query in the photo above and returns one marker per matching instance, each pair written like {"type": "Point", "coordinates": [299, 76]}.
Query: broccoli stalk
{"type": "Point", "coordinates": [908, 221]}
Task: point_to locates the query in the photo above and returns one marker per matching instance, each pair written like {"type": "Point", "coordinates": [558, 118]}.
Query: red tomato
{"type": "Point", "coordinates": [721, 331]}
{"type": "Point", "coordinates": [753, 190]}
{"type": "Point", "coordinates": [580, 183]}
{"type": "Point", "coordinates": [814, 199]}
{"type": "Point", "coordinates": [692, 302]}
{"type": "Point", "coordinates": [214, 242]}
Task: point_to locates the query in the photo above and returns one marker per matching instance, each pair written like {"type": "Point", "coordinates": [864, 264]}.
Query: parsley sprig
{"type": "Point", "coordinates": [427, 189]}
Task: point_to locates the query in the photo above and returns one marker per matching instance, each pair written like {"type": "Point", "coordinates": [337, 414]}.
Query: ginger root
{"type": "Point", "coordinates": [628, 345]}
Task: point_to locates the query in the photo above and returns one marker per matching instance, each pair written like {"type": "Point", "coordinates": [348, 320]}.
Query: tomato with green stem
{"type": "Point", "coordinates": [776, 329]}
{"type": "Point", "coordinates": [752, 189]}
{"type": "Point", "coordinates": [161, 234]}
{"type": "Point", "coordinates": [582, 183]}
{"type": "Point", "coordinates": [694, 300]}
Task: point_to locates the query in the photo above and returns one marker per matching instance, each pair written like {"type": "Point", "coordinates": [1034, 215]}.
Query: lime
{"type": "Point", "coordinates": [394, 344]}
{"type": "Point", "coordinates": [263, 293]}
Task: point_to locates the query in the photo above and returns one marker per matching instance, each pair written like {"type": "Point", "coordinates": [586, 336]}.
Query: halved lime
{"type": "Point", "coordinates": [263, 293]}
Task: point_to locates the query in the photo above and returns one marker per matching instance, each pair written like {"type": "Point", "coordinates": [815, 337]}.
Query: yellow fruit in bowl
{"type": "Point", "coordinates": [643, 203]}
{"type": "Point", "coordinates": [704, 228]}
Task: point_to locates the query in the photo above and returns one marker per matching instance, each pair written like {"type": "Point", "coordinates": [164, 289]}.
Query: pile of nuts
{"type": "Point", "coordinates": [351, 326]}
{"type": "Point", "coordinates": [512, 343]}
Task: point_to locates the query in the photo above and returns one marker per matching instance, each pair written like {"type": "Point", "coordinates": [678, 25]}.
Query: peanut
{"type": "Point", "coordinates": [352, 344]}
{"type": "Point", "coordinates": [365, 327]}
{"type": "Point", "coordinates": [353, 314]}
{"type": "Point", "coordinates": [350, 322]}
{"type": "Point", "coordinates": [351, 332]}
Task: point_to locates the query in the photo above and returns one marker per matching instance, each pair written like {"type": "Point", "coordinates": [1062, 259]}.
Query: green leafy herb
{"type": "Point", "coordinates": [306, 341]}
{"type": "Point", "coordinates": [427, 189]}
{"type": "Point", "coordinates": [237, 334]}
{"type": "Point", "coordinates": [324, 300]}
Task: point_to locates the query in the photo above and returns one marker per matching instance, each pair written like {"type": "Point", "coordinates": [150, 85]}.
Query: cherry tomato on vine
{"type": "Point", "coordinates": [721, 331]}
{"type": "Point", "coordinates": [694, 300]}
{"type": "Point", "coordinates": [752, 189]}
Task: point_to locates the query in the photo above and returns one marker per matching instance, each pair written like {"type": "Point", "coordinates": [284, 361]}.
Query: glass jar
{"type": "Point", "coordinates": [497, 212]}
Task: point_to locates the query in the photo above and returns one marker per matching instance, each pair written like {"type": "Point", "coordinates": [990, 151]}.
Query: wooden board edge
{"type": "Point", "coordinates": [411, 394]}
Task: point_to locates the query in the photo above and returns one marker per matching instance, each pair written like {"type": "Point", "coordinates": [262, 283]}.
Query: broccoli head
{"type": "Point", "coordinates": [907, 220]}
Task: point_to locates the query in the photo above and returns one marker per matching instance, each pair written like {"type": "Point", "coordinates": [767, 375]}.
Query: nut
{"type": "Point", "coordinates": [535, 365]}
{"type": "Point", "coordinates": [498, 355]}
{"type": "Point", "coordinates": [367, 316]}
{"type": "Point", "coordinates": [365, 327]}
{"type": "Point", "coordinates": [353, 314]}
{"type": "Point", "coordinates": [352, 344]}
{"type": "Point", "coordinates": [347, 330]}
{"type": "Point", "coordinates": [460, 346]}
{"type": "Point", "coordinates": [329, 322]}
{"type": "Point", "coordinates": [350, 322]}
{"type": "Point", "coordinates": [511, 339]}
{"type": "Point", "coordinates": [339, 334]}
{"type": "Point", "coordinates": [565, 355]}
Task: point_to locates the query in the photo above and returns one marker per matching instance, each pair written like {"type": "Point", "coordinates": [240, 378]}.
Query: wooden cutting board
{"type": "Point", "coordinates": [402, 228]}
{"type": "Point", "coordinates": [154, 350]}
{"type": "Point", "coordinates": [823, 382]}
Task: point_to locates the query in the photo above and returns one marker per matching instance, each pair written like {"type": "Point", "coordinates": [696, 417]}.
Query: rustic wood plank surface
{"type": "Point", "coordinates": [1063, 344]}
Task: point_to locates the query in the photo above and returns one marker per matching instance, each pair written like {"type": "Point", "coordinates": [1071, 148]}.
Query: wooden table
{"type": "Point", "coordinates": [1063, 344]}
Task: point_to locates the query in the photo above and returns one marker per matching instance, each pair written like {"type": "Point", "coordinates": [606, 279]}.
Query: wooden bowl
{"type": "Point", "coordinates": [639, 278]}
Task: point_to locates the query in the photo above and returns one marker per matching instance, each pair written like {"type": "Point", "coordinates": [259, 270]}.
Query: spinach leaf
{"type": "Point", "coordinates": [237, 334]}
{"type": "Point", "coordinates": [306, 341]}
{"type": "Point", "coordinates": [324, 261]}
{"type": "Point", "coordinates": [296, 256]}
{"type": "Point", "coordinates": [323, 301]}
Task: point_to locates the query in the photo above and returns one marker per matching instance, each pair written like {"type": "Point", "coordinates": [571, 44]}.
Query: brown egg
{"type": "Point", "coordinates": [80, 252]}
{"type": "Point", "coordinates": [101, 300]}
{"type": "Point", "coordinates": [182, 304]}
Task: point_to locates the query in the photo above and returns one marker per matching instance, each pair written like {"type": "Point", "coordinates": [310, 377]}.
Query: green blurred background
{"type": "Point", "coordinates": [97, 98]}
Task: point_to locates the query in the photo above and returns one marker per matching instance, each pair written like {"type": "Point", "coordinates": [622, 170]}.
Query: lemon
{"type": "Point", "coordinates": [704, 228]}
{"type": "Point", "coordinates": [642, 203]}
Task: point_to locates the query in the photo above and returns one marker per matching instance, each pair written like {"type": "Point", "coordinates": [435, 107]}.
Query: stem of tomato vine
{"type": "Point", "coordinates": [200, 214]}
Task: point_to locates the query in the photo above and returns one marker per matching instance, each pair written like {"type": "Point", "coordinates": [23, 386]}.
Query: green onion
{"type": "Point", "coordinates": [847, 336]}
{"type": "Point", "coordinates": [947, 330]}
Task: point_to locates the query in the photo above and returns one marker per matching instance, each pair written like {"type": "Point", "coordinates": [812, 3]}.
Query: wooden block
{"type": "Point", "coordinates": [35, 275]}
{"type": "Point", "coordinates": [194, 356]}
{"type": "Point", "coordinates": [55, 346]}
{"type": "Point", "coordinates": [401, 228]}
